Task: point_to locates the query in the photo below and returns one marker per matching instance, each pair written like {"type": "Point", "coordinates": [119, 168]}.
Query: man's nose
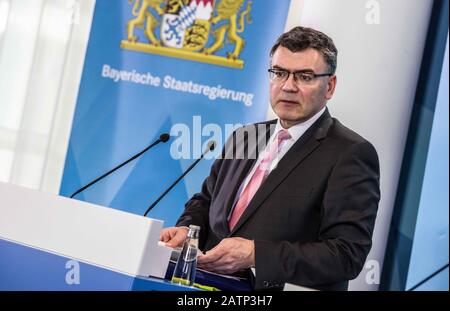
{"type": "Point", "coordinates": [290, 85]}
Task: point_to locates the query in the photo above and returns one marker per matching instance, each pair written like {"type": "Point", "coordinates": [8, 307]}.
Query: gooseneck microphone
{"type": "Point", "coordinates": [211, 146]}
{"type": "Point", "coordinates": [162, 138]}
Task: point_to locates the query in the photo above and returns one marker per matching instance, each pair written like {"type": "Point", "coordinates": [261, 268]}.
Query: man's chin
{"type": "Point", "coordinates": [289, 116]}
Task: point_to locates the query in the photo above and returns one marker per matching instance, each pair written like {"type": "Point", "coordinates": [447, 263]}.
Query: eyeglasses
{"type": "Point", "coordinates": [301, 76]}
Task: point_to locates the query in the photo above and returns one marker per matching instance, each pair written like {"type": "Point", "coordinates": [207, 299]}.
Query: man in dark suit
{"type": "Point", "coordinates": [302, 210]}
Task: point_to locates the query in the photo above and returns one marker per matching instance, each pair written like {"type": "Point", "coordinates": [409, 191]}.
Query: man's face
{"type": "Point", "coordinates": [295, 102]}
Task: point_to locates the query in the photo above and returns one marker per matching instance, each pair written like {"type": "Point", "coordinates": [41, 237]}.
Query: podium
{"type": "Point", "coordinates": [49, 242]}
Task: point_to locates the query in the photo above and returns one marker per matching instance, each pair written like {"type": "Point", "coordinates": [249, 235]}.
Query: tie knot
{"type": "Point", "coordinates": [283, 135]}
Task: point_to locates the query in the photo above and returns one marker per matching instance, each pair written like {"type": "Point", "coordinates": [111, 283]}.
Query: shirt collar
{"type": "Point", "coordinates": [298, 130]}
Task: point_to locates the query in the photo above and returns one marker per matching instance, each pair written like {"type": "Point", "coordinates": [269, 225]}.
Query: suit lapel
{"type": "Point", "coordinates": [305, 145]}
{"type": "Point", "coordinates": [245, 165]}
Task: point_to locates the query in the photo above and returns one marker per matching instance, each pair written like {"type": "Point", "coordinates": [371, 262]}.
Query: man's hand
{"type": "Point", "coordinates": [229, 256]}
{"type": "Point", "coordinates": [174, 236]}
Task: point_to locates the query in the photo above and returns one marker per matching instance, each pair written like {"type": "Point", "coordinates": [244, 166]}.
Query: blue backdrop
{"type": "Point", "coordinates": [129, 95]}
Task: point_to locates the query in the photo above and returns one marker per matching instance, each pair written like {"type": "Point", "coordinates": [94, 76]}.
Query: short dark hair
{"type": "Point", "coordinates": [301, 38]}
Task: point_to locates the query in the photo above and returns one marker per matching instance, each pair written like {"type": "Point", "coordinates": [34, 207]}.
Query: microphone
{"type": "Point", "coordinates": [211, 146]}
{"type": "Point", "coordinates": [162, 138]}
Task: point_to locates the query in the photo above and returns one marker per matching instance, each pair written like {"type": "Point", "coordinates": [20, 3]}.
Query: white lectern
{"type": "Point", "coordinates": [45, 240]}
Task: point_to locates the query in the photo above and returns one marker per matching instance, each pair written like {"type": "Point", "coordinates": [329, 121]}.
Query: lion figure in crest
{"type": "Point", "coordinates": [228, 10]}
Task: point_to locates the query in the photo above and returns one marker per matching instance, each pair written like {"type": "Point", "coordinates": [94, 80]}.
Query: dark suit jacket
{"type": "Point", "coordinates": [311, 220]}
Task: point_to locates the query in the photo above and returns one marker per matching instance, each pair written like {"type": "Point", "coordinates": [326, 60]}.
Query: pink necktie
{"type": "Point", "coordinates": [258, 177]}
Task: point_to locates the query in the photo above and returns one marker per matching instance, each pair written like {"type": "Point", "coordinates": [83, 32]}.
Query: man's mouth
{"type": "Point", "coordinates": [287, 102]}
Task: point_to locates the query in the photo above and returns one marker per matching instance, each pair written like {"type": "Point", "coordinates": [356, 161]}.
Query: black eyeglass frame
{"type": "Point", "coordinates": [315, 75]}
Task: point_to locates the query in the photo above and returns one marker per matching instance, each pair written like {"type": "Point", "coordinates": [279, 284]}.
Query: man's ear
{"type": "Point", "coordinates": [331, 87]}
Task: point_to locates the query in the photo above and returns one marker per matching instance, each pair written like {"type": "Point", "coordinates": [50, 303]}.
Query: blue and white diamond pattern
{"type": "Point", "coordinates": [174, 26]}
